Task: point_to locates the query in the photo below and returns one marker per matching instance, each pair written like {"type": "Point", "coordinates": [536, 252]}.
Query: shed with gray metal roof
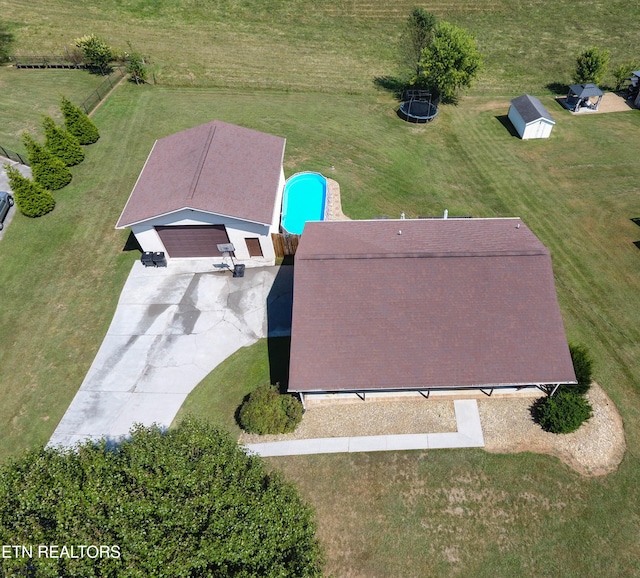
{"type": "Point", "coordinates": [530, 118]}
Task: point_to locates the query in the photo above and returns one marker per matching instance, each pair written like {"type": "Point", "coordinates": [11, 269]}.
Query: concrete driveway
{"type": "Point", "coordinates": [4, 186]}
{"type": "Point", "coordinates": [171, 328]}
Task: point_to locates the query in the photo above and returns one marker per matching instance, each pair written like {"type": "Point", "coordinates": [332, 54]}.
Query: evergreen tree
{"type": "Point", "coordinates": [32, 200]}
{"type": "Point", "coordinates": [78, 123]}
{"type": "Point", "coordinates": [61, 143]}
{"type": "Point", "coordinates": [48, 170]}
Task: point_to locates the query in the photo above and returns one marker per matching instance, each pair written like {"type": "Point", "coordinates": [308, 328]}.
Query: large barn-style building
{"type": "Point", "coordinates": [213, 184]}
{"type": "Point", "coordinates": [423, 307]}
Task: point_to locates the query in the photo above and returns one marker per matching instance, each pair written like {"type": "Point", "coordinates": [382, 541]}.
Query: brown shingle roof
{"type": "Point", "coordinates": [448, 303]}
{"type": "Point", "coordinates": [215, 167]}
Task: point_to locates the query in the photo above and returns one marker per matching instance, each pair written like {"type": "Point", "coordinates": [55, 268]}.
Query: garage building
{"type": "Point", "coordinates": [212, 184]}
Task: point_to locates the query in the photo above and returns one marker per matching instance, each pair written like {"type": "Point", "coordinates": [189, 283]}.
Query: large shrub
{"type": "Point", "coordinates": [591, 66]}
{"type": "Point", "coordinates": [32, 200]}
{"type": "Point", "coordinates": [266, 411]}
{"type": "Point", "coordinates": [96, 51]}
{"type": "Point", "coordinates": [48, 170]}
{"type": "Point", "coordinates": [563, 412]}
{"type": "Point", "coordinates": [78, 123]}
{"type": "Point", "coordinates": [61, 143]}
{"type": "Point", "coordinates": [186, 502]}
{"type": "Point", "coordinates": [583, 367]}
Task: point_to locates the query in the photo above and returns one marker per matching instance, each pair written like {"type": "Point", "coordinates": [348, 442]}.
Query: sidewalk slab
{"type": "Point", "coordinates": [469, 435]}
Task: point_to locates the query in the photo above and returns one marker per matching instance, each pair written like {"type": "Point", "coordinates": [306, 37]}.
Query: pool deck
{"type": "Point", "coordinates": [334, 208]}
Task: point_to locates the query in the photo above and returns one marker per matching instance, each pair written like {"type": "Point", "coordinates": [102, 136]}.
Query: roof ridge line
{"type": "Point", "coordinates": [424, 255]}
{"type": "Point", "coordinates": [203, 158]}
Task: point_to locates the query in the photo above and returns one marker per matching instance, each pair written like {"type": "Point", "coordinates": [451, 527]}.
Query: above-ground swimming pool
{"type": "Point", "coordinates": [304, 199]}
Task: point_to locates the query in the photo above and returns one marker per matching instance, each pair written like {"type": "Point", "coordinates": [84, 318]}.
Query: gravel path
{"type": "Point", "coordinates": [597, 448]}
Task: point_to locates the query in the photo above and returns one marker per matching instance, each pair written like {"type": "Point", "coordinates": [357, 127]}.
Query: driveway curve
{"type": "Point", "coordinates": [172, 326]}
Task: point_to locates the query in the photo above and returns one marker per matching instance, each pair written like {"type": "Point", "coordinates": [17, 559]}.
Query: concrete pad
{"type": "Point", "coordinates": [408, 442]}
{"type": "Point", "coordinates": [300, 447]}
{"type": "Point", "coordinates": [147, 409]}
{"type": "Point", "coordinates": [171, 328]}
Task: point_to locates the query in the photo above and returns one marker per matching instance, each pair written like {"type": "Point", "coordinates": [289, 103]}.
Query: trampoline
{"type": "Point", "coordinates": [417, 106]}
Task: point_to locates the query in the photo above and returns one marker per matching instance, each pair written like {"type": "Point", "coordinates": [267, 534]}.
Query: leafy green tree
{"type": "Point", "coordinates": [591, 66]}
{"type": "Point", "coordinates": [48, 170]}
{"type": "Point", "coordinates": [61, 143]}
{"type": "Point", "coordinates": [450, 62]}
{"type": "Point", "coordinates": [32, 200]}
{"type": "Point", "coordinates": [78, 123]}
{"type": "Point", "coordinates": [136, 67]}
{"type": "Point", "coordinates": [415, 37]}
{"type": "Point", "coordinates": [622, 73]}
{"type": "Point", "coordinates": [96, 51]}
{"type": "Point", "coordinates": [185, 502]}
{"type": "Point", "coordinates": [266, 411]}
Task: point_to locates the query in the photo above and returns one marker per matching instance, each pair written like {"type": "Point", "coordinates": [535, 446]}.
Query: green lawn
{"type": "Point", "coordinates": [306, 71]}
{"type": "Point", "coordinates": [28, 94]}
{"type": "Point", "coordinates": [326, 45]}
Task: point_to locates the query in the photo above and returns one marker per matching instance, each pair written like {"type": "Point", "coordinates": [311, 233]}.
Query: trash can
{"type": "Point", "coordinates": [238, 271]}
{"type": "Point", "coordinates": [147, 259]}
{"type": "Point", "coordinates": [159, 260]}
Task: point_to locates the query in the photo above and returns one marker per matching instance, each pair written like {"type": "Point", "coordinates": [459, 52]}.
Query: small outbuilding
{"type": "Point", "coordinates": [530, 118]}
{"type": "Point", "coordinates": [583, 96]}
{"type": "Point", "coordinates": [213, 184]}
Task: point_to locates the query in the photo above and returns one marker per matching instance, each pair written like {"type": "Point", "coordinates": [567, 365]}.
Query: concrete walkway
{"type": "Point", "coordinates": [469, 435]}
{"type": "Point", "coordinates": [171, 328]}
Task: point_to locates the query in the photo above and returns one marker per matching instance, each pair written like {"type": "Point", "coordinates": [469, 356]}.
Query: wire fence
{"type": "Point", "coordinates": [105, 87]}
{"type": "Point", "coordinates": [13, 155]}
{"type": "Point", "coordinates": [59, 61]}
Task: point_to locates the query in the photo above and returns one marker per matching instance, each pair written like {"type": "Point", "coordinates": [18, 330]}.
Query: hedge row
{"type": "Point", "coordinates": [50, 162]}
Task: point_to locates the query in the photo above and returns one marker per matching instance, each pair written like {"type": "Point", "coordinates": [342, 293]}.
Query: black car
{"type": "Point", "coordinates": [6, 202]}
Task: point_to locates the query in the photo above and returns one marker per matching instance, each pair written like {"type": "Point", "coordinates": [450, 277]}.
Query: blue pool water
{"type": "Point", "coordinates": [305, 196]}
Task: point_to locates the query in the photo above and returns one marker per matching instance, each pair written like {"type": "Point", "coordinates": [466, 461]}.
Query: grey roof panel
{"type": "Point", "coordinates": [531, 109]}
{"type": "Point", "coordinates": [585, 90]}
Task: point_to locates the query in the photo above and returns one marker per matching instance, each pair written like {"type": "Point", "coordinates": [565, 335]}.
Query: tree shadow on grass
{"type": "Point", "coordinates": [395, 86]}
{"type": "Point", "coordinates": [558, 88]}
{"type": "Point", "coordinates": [503, 119]}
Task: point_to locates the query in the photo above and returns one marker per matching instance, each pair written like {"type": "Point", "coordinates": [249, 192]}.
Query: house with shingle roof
{"type": "Point", "coordinates": [530, 118]}
{"type": "Point", "coordinates": [212, 184]}
{"type": "Point", "coordinates": [425, 306]}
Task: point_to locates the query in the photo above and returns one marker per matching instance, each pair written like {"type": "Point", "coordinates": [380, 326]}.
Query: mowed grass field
{"type": "Point", "coordinates": [326, 45]}
{"type": "Point", "coordinates": [306, 72]}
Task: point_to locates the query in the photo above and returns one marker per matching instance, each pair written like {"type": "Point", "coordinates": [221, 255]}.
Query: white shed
{"type": "Point", "coordinates": [530, 118]}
